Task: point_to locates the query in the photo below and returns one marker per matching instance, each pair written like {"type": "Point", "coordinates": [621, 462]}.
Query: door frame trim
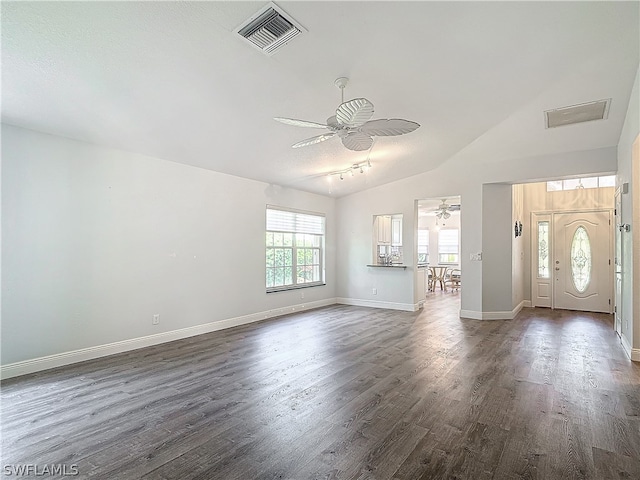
{"type": "Point", "coordinates": [534, 251]}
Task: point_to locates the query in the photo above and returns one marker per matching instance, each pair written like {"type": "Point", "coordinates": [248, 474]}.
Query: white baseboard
{"type": "Point", "coordinates": [407, 307]}
{"type": "Point", "coordinates": [90, 353]}
{"type": "Point", "coordinates": [526, 303]}
{"type": "Point", "coordinates": [625, 345]}
{"type": "Point", "coordinates": [634, 353]}
{"type": "Point", "coordinates": [506, 315]}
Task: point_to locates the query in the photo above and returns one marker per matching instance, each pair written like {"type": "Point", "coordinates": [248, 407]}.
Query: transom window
{"type": "Point", "coordinates": [294, 249]}
{"type": "Point", "coordinates": [580, 183]}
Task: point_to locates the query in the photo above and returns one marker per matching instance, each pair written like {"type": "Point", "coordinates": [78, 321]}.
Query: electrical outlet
{"type": "Point", "coordinates": [301, 295]}
{"type": "Point", "coordinates": [156, 319]}
{"type": "Point", "coordinates": [374, 291]}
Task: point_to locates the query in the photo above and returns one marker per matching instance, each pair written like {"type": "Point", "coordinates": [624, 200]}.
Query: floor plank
{"type": "Point", "coordinates": [344, 392]}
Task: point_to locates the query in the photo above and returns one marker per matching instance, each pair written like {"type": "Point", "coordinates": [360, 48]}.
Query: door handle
{"type": "Point", "coordinates": [557, 268]}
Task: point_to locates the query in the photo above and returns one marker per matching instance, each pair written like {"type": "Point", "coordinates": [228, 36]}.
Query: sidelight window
{"type": "Point", "coordinates": [543, 249]}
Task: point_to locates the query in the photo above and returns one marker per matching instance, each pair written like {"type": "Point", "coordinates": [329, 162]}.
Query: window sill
{"type": "Point", "coordinates": [294, 287]}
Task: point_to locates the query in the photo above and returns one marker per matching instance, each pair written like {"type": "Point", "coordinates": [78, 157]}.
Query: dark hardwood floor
{"type": "Point", "coordinates": [348, 393]}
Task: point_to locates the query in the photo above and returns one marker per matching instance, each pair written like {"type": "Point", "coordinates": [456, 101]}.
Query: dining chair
{"type": "Point", "coordinates": [453, 279]}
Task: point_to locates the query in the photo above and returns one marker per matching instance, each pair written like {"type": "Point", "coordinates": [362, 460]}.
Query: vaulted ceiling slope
{"type": "Point", "coordinates": [172, 80]}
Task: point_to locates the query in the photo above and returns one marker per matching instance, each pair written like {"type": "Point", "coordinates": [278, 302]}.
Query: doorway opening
{"type": "Point", "coordinates": [438, 246]}
{"type": "Point", "coordinates": [571, 243]}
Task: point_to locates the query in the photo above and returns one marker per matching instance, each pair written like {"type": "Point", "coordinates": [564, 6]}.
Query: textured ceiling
{"type": "Point", "coordinates": [172, 80]}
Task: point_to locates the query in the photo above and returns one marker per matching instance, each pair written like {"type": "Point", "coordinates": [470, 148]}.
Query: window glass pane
{"type": "Point", "coordinates": [448, 245]}
{"type": "Point", "coordinates": [543, 249]}
{"type": "Point", "coordinates": [288, 275]}
{"type": "Point", "coordinates": [279, 277]}
{"type": "Point", "coordinates": [288, 239]}
{"type": "Point", "coordinates": [270, 277]}
{"type": "Point", "coordinates": [608, 181]}
{"type": "Point", "coordinates": [301, 274]}
{"type": "Point", "coordinates": [591, 182]}
{"type": "Point", "coordinates": [280, 257]}
{"type": "Point", "coordinates": [316, 274]}
{"type": "Point", "coordinates": [571, 184]}
{"type": "Point", "coordinates": [581, 259]}
{"type": "Point", "coordinates": [269, 239]}
{"type": "Point", "coordinates": [277, 239]}
{"type": "Point", "coordinates": [271, 257]}
{"type": "Point", "coordinates": [423, 246]}
{"type": "Point", "coordinates": [316, 257]}
{"type": "Point", "coordinates": [554, 186]}
{"type": "Point", "coordinates": [288, 257]}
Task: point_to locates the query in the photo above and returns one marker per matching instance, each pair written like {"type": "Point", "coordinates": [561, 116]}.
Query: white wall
{"type": "Point", "coordinates": [355, 212]}
{"type": "Point", "coordinates": [497, 235]}
{"type": "Point", "coordinates": [96, 241]}
{"type": "Point", "coordinates": [518, 246]}
{"type": "Point", "coordinates": [631, 214]}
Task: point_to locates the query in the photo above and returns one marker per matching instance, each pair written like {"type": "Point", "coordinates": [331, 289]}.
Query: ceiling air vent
{"type": "Point", "coordinates": [269, 29]}
{"type": "Point", "coordinates": [585, 112]}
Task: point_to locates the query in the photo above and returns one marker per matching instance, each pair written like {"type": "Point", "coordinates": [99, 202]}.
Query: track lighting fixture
{"type": "Point", "coordinates": [361, 167]}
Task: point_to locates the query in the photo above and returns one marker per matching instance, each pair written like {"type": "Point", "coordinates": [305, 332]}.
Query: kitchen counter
{"type": "Point", "coordinates": [393, 265]}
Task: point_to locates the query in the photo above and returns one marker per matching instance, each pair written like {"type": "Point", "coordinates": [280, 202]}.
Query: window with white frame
{"type": "Point", "coordinates": [448, 246]}
{"type": "Point", "coordinates": [580, 183]}
{"type": "Point", "coordinates": [423, 246]}
{"type": "Point", "coordinates": [294, 249]}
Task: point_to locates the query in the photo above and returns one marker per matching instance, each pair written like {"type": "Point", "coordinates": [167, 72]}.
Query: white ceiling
{"type": "Point", "coordinates": [173, 81]}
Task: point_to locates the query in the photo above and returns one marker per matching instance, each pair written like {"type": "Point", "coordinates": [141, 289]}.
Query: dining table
{"type": "Point", "coordinates": [438, 273]}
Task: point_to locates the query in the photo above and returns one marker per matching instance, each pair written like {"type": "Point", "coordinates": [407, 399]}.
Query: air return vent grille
{"type": "Point", "coordinates": [584, 112]}
{"type": "Point", "coordinates": [269, 29]}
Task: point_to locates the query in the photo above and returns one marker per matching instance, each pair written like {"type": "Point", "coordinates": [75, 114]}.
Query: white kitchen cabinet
{"type": "Point", "coordinates": [396, 231]}
{"type": "Point", "coordinates": [384, 229]}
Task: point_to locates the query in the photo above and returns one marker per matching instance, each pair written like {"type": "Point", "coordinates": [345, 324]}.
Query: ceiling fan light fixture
{"type": "Point", "coordinates": [352, 124]}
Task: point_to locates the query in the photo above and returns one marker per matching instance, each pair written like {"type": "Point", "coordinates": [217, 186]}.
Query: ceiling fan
{"type": "Point", "coordinates": [444, 209]}
{"type": "Point", "coordinates": [351, 124]}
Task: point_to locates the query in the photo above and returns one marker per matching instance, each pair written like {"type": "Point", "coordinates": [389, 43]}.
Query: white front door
{"type": "Point", "coordinates": [582, 261]}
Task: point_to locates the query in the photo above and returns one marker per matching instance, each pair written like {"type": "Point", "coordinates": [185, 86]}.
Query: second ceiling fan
{"type": "Point", "coordinates": [352, 125]}
{"type": "Point", "coordinates": [444, 209]}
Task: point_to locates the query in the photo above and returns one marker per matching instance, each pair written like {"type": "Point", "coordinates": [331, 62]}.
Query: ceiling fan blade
{"type": "Point", "coordinates": [357, 141]}
{"type": "Point", "coordinates": [389, 127]}
{"type": "Point", "coordinates": [354, 112]}
{"type": "Point", "coordinates": [299, 123]}
{"type": "Point", "coordinates": [313, 140]}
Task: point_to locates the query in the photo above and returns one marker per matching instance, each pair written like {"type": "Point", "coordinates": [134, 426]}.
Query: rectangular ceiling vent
{"type": "Point", "coordinates": [585, 112]}
{"type": "Point", "coordinates": [269, 29]}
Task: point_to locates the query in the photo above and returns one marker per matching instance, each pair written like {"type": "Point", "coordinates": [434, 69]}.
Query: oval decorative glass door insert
{"type": "Point", "coordinates": [581, 259]}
